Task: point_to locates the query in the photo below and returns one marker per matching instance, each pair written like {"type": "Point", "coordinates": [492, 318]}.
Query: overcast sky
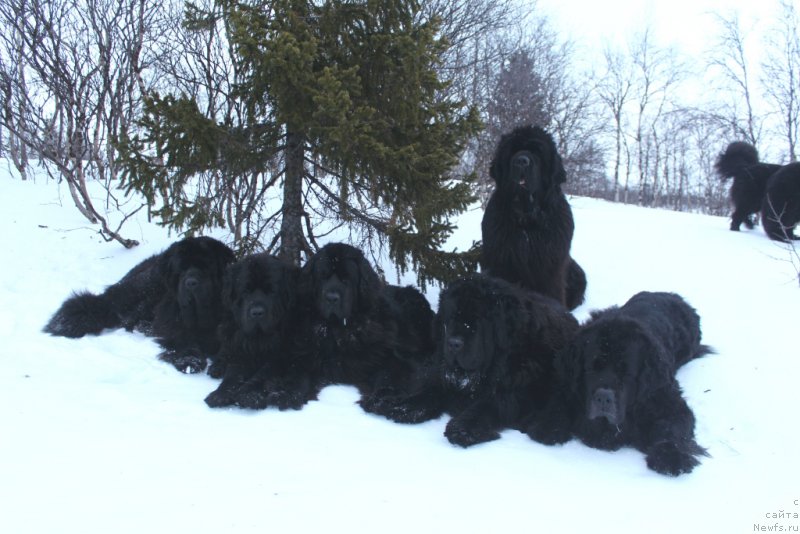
{"type": "Point", "coordinates": [688, 24]}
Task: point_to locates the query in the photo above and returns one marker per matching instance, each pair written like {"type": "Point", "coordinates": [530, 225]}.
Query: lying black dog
{"type": "Point", "coordinates": [740, 162]}
{"type": "Point", "coordinates": [494, 358]}
{"type": "Point", "coordinates": [173, 296]}
{"type": "Point", "coordinates": [527, 226]}
{"type": "Point", "coordinates": [257, 331]}
{"type": "Point", "coordinates": [781, 210]}
{"type": "Point", "coordinates": [617, 387]}
{"type": "Point", "coordinates": [355, 329]}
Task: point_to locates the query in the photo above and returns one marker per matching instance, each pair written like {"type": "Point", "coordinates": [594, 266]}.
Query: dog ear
{"type": "Point", "coordinates": [307, 280]}
{"type": "Point", "coordinates": [496, 169]}
{"type": "Point", "coordinates": [499, 166]}
{"type": "Point", "coordinates": [221, 256]}
{"type": "Point", "coordinates": [369, 285]}
{"type": "Point", "coordinates": [508, 321]}
{"type": "Point", "coordinates": [438, 335]}
{"type": "Point", "coordinates": [557, 172]}
{"type": "Point", "coordinates": [232, 272]}
{"type": "Point", "coordinates": [220, 251]}
{"type": "Point", "coordinates": [555, 327]}
{"type": "Point", "coordinates": [289, 281]}
{"type": "Point", "coordinates": [569, 369]}
{"type": "Point", "coordinates": [655, 370]}
{"type": "Point", "coordinates": [228, 324]}
{"type": "Point", "coordinates": [168, 267]}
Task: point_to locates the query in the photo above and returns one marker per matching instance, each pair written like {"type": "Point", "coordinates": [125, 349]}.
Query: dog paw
{"type": "Point", "coordinates": [398, 409]}
{"type": "Point", "coordinates": [253, 400]}
{"type": "Point", "coordinates": [549, 432]}
{"type": "Point", "coordinates": [287, 400]}
{"type": "Point", "coordinates": [185, 363]}
{"type": "Point", "coordinates": [219, 399]}
{"type": "Point", "coordinates": [217, 369]}
{"type": "Point", "coordinates": [668, 459]}
{"type": "Point", "coordinates": [463, 436]}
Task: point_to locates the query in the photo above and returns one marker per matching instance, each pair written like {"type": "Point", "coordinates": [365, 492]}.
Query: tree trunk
{"type": "Point", "coordinates": [292, 241]}
{"type": "Point", "coordinates": [617, 157]}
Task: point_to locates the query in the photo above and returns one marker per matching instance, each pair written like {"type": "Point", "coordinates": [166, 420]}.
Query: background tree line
{"type": "Point", "coordinates": [286, 120]}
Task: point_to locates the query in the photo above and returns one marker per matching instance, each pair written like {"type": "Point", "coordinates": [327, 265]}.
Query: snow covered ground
{"type": "Point", "coordinates": [97, 436]}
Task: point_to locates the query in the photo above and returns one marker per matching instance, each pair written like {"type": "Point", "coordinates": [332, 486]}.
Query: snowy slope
{"type": "Point", "coordinates": [97, 436]}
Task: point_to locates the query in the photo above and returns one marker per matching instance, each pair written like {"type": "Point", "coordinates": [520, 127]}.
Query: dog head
{"type": "Point", "coordinates": [259, 292]}
{"type": "Point", "coordinates": [611, 367]}
{"type": "Point", "coordinates": [478, 321]}
{"type": "Point", "coordinates": [192, 270]}
{"type": "Point", "coordinates": [527, 161]}
{"type": "Point", "coordinates": [340, 283]}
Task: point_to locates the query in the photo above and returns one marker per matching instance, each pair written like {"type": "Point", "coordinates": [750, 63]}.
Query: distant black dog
{"type": "Point", "coordinates": [494, 357]}
{"type": "Point", "coordinates": [740, 162]}
{"type": "Point", "coordinates": [257, 330]}
{"type": "Point", "coordinates": [174, 296]}
{"type": "Point", "coordinates": [780, 212]}
{"type": "Point", "coordinates": [527, 227]}
{"type": "Point", "coordinates": [617, 387]}
{"type": "Point", "coordinates": [358, 331]}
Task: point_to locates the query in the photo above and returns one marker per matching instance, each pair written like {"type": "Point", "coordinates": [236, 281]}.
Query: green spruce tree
{"type": "Point", "coordinates": [343, 111]}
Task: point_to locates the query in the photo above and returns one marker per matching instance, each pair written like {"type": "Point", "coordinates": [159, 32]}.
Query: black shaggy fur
{"type": "Point", "coordinates": [356, 330]}
{"type": "Point", "coordinates": [173, 296]}
{"type": "Point", "coordinates": [494, 360]}
{"type": "Point", "coordinates": [258, 327]}
{"type": "Point", "coordinates": [740, 162]}
{"type": "Point", "coordinates": [527, 226]}
{"type": "Point", "coordinates": [781, 210]}
{"type": "Point", "coordinates": [617, 387]}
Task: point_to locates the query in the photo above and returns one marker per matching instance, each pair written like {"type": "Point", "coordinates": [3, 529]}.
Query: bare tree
{"type": "Point", "coordinates": [729, 58]}
{"type": "Point", "coordinates": [11, 62]}
{"type": "Point", "coordinates": [615, 91]}
{"type": "Point", "coordinates": [577, 126]}
{"type": "Point", "coordinates": [781, 73]}
{"type": "Point", "coordinates": [481, 35]}
{"type": "Point", "coordinates": [536, 85]}
{"type": "Point", "coordinates": [201, 66]}
{"type": "Point", "coordinates": [656, 73]}
{"type": "Point", "coordinates": [71, 79]}
{"type": "Point", "coordinates": [706, 139]}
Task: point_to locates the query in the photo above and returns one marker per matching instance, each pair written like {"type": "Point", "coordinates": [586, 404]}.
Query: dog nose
{"type": "Point", "coordinates": [522, 161]}
{"type": "Point", "coordinates": [604, 400]}
{"type": "Point", "coordinates": [257, 311]}
{"type": "Point", "coordinates": [333, 297]}
{"type": "Point", "coordinates": [191, 282]}
{"type": "Point", "coordinates": [455, 343]}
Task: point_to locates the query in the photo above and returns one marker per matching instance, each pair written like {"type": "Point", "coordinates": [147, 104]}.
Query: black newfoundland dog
{"type": "Point", "coordinates": [173, 296]}
{"type": "Point", "coordinates": [617, 387]}
{"type": "Point", "coordinates": [750, 176]}
{"type": "Point", "coordinates": [527, 226]}
{"type": "Point", "coordinates": [258, 326]}
{"type": "Point", "coordinates": [495, 344]}
{"type": "Point", "coordinates": [358, 331]}
{"type": "Point", "coordinates": [781, 210]}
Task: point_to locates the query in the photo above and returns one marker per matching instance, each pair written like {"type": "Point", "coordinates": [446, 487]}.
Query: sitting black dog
{"type": "Point", "coordinates": [355, 329]}
{"type": "Point", "coordinates": [527, 226]}
{"type": "Point", "coordinates": [495, 348]}
{"type": "Point", "coordinates": [617, 387]}
{"type": "Point", "coordinates": [257, 330]}
{"type": "Point", "coordinates": [173, 296]}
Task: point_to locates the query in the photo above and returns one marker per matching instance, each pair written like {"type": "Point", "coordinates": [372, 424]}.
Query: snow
{"type": "Point", "coordinates": [98, 436]}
